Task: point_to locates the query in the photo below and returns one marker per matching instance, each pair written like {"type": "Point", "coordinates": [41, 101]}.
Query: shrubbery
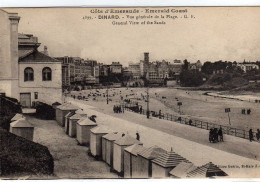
{"type": "Point", "coordinates": [21, 156]}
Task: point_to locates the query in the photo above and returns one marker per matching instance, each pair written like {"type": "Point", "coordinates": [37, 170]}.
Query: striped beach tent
{"type": "Point", "coordinates": [207, 170]}
{"type": "Point", "coordinates": [165, 162]}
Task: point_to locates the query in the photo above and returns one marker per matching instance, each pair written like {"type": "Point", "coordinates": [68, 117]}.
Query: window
{"type": "Point", "coordinates": [35, 95]}
{"type": "Point", "coordinates": [28, 74]}
{"type": "Point", "coordinates": [46, 74]}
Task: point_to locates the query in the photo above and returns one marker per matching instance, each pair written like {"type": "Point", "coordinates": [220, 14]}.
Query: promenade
{"type": "Point", "coordinates": [238, 157]}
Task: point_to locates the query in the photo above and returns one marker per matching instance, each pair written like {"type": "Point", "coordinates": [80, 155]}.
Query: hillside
{"type": "Point", "coordinates": [226, 81]}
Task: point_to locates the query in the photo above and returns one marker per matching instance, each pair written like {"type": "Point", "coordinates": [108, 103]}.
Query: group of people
{"type": "Point", "coordinates": [215, 135]}
{"type": "Point", "coordinates": [137, 135]}
{"type": "Point", "coordinates": [244, 111]}
{"type": "Point", "coordinates": [251, 135]}
{"type": "Point", "coordinates": [118, 109]}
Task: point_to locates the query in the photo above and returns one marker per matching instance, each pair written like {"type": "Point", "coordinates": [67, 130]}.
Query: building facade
{"type": "Point", "coordinates": [135, 69]}
{"type": "Point", "coordinates": [115, 68]}
{"type": "Point", "coordinates": [26, 74]}
{"type": "Point", "coordinates": [9, 54]}
{"type": "Point", "coordinates": [40, 76]}
{"type": "Point", "coordinates": [247, 66]}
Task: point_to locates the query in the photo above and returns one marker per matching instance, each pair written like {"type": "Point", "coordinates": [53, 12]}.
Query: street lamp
{"type": "Point", "coordinates": [179, 104]}
{"type": "Point", "coordinates": [148, 110]}
{"type": "Point", "coordinates": [227, 110]}
{"type": "Point", "coordinates": [107, 94]}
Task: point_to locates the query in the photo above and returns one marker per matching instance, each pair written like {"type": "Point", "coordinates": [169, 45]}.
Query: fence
{"type": "Point", "coordinates": [133, 106]}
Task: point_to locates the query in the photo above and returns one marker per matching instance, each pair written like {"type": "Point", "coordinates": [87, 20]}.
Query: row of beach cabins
{"type": "Point", "coordinates": [125, 155]}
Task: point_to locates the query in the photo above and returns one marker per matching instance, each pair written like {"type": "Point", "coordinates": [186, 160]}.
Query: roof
{"type": "Point", "coordinates": [134, 149]}
{"type": "Point", "coordinates": [37, 56]}
{"type": "Point", "coordinates": [151, 152]}
{"type": "Point", "coordinates": [86, 122]}
{"type": "Point", "coordinates": [101, 130]}
{"type": "Point", "coordinates": [207, 170]}
{"type": "Point", "coordinates": [22, 36]}
{"type": "Point", "coordinates": [69, 114]}
{"type": "Point", "coordinates": [127, 140]}
{"type": "Point", "coordinates": [182, 169]}
{"type": "Point", "coordinates": [78, 116]}
{"type": "Point", "coordinates": [169, 159]}
{"type": "Point", "coordinates": [113, 136]}
{"type": "Point", "coordinates": [17, 116]}
{"type": "Point", "coordinates": [67, 106]}
{"type": "Point", "coordinates": [21, 123]}
{"type": "Point", "coordinates": [24, 52]}
{"type": "Point", "coordinates": [80, 111]}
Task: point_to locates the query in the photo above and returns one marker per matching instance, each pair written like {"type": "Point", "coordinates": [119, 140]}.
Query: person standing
{"type": "Point", "coordinates": [220, 134]}
{"type": "Point", "coordinates": [190, 122]}
{"type": "Point", "coordinates": [258, 134]}
{"type": "Point", "coordinates": [137, 136]}
{"type": "Point", "coordinates": [251, 135]}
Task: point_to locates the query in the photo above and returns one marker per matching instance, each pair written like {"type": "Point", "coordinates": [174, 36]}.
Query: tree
{"type": "Point", "coordinates": [207, 68]}
{"type": "Point", "coordinates": [185, 65]}
{"type": "Point", "coordinates": [191, 79]}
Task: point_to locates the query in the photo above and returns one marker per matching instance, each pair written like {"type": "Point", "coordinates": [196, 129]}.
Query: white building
{"type": "Point", "coordinates": [247, 66]}
{"type": "Point", "coordinates": [25, 73]}
{"type": "Point", "coordinates": [39, 79]}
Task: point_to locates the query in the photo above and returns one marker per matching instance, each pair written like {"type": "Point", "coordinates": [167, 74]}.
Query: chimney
{"type": "Point", "coordinates": [45, 50]}
{"type": "Point", "coordinates": [146, 57]}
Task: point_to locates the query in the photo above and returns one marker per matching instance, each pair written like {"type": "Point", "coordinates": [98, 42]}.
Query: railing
{"type": "Point", "coordinates": [133, 107]}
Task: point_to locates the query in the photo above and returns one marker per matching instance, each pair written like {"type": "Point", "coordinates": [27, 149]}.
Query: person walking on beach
{"type": "Point", "coordinates": [251, 135]}
{"type": "Point", "coordinates": [137, 136]}
{"type": "Point", "coordinates": [190, 122]}
{"type": "Point", "coordinates": [141, 109]}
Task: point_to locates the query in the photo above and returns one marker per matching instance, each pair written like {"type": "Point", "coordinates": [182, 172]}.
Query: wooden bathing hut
{"type": "Point", "coordinates": [16, 117]}
{"type": "Point", "coordinates": [67, 119]}
{"type": "Point", "coordinates": [22, 128]}
{"type": "Point", "coordinates": [104, 143]}
{"type": "Point", "coordinates": [208, 170]}
{"type": "Point", "coordinates": [182, 169]}
{"type": "Point", "coordinates": [62, 111]}
{"type": "Point", "coordinates": [96, 134]}
{"type": "Point", "coordinates": [73, 122]}
{"type": "Point", "coordinates": [164, 163]}
{"type": "Point", "coordinates": [84, 125]}
{"type": "Point", "coordinates": [109, 146]}
{"type": "Point", "coordinates": [130, 160]}
{"type": "Point", "coordinates": [118, 152]}
{"type": "Point", "coordinates": [145, 158]}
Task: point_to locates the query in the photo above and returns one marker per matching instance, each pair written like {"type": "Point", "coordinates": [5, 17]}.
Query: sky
{"type": "Point", "coordinates": [216, 33]}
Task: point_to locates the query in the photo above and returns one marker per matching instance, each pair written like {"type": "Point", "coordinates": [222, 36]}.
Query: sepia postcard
{"type": "Point", "coordinates": [130, 93]}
